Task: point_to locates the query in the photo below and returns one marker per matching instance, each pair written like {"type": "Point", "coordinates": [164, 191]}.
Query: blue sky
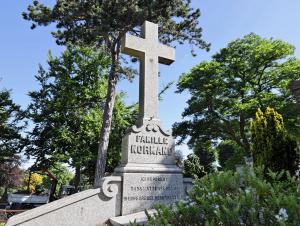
{"type": "Point", "coordinates": [22, 49]}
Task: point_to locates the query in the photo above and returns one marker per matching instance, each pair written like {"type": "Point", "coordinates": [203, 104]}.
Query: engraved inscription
{"type": "Point", "coordinates": [151, 145]}
{"type": "Point", "coordinates": [145, 190]}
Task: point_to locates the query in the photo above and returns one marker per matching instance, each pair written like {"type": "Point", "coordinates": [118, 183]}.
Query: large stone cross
{"type": "Point", "coordinates": [150, 52]}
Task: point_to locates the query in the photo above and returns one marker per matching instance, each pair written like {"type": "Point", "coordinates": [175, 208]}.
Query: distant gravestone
{"type": "Point", "coordinates": [148, 161]}
{"type": "Point", "coordinates": [147, 173]}
{"type": "Point", "coordinates": [295, 88]}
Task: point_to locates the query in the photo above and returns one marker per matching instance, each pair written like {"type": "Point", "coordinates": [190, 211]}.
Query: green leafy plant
{"type": "Point", "coordinates": [271, 144]}
{"type": "Point", "coordinates": [226, 91]}
{"type": "Point", "coordinates": [231, 198]}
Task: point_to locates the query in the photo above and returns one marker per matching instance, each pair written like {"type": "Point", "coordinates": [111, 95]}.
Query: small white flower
{"type": "Point", "coordinates": [247, 190]}
{"type": "Point", "coordinates": [174, 207]}
{"type": "Point", "coordinates": [216, 206]}
{"type": "Point", "coordinates": [282, 215]}
{"type": "Point", "coordinates": [192, 204]}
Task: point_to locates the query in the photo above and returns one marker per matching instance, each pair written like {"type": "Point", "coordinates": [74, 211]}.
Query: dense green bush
{"type": "Point", "coordinates": [271, 144]}
{"type": "Point", "coordinates": [229, 198]}
{"type": "Point", "coordinates": [192, 167]}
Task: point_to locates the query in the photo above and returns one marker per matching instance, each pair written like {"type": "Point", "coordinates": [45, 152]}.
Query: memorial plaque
{"type": "Point", "coordinates": [141, 191]}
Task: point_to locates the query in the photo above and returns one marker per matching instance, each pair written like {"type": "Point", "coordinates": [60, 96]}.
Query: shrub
{"type": "Point", "coordinates": [228, 198]}
{"type": "Point", "coordinates": [193, 167]}
{"type": "Point", "coordinates": [271, 145]}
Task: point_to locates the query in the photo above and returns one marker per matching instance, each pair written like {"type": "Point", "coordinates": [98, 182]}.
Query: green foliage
{"type": "Point", "coordinates": [62, 173]}
{"type": "Point", "coordinates": [11, 141]}
{"type": "Point", "coordinates": [193, 167]}
{"type": "Point", "coordinates": [249, 73]}
{"type": "Point", "coordinates": [67, 111]}
{"type": "Point", "coordinates": [230, 155]}
{"type": "Point", "coordinates": [106, 21]}
{"type": "Point", "coordinates": [228, 198]}
{"type": "Point", "coordinates": [271, 145]}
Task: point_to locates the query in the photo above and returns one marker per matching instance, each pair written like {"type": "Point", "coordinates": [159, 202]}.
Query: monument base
{"type": "Point", "coordinates": [144, 185]}
{"type": "Point", "coordinates": [93, 207]}
{"type": "Point", "coordinates": [140, 218]}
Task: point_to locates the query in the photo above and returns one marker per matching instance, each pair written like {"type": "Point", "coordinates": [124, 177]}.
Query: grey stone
{"type": "Point", "coordinates": [89, 208]}
{"type": "Point", "coordinates": [142, 190]}
{"type": "Point", "coordinates": [148, 144]}
{"type": "Point", "coordinates": [150, 52]}
{"type": "Point", "coordinates": [139, 218]}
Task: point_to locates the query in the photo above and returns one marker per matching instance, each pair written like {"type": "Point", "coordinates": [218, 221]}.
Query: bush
{"type": "Point", "coordinates": [193, 167]}
{"type": "Point", "coordinates": [271, 145]}
{"type": "Point", "coordinates": [229, 198]}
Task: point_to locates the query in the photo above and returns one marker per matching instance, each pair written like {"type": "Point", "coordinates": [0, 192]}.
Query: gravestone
{"type": "Point", "coordinates": [148, 163]}
{"type": "Point", "coordinates": [147, 173]}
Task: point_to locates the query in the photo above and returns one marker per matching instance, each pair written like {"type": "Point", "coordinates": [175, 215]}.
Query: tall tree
{"type": "Point", "coordinates": [105, 22]}
{"type": "Point", "coordinates": [249, 73]}
{"type": "Point", "coordinates": [67, 111]}
{"type": "Point", "coordinates": [11, 141]}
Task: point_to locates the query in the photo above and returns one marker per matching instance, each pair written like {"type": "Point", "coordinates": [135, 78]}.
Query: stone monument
{"type": "Point", "coordinates": [148, 166]}
{"type": "Point", "coordinates": [147, 173]}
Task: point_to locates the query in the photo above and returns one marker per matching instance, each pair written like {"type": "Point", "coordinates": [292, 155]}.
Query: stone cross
{"type": "Point", "coordinates": [150, 52]}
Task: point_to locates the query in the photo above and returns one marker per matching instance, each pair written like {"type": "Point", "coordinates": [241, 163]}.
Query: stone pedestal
{"type": "Point", "coordinates": [148, 168]}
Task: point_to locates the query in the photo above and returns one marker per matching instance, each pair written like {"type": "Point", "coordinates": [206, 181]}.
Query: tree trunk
{"type": "Point", "coordinates": [77, 178]}
{"type": "Point", "coordinates": [107, 119]}
{"type": "Point", "coordinates": [4, 196]}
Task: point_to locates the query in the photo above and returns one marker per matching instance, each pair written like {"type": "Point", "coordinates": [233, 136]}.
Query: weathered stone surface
{"type": "Point", "coordinates": [150, 52]}
{"type": "Point", "coordinates": [148, 144]}
{"type": "Point", "coordinates": [89, 208]}
{"type": "Point", "coordinates": [140, 218]}
{"type": "Point", "coordinates": [148, 168]}
{"type": "Point", "coordinates": [142, 190]}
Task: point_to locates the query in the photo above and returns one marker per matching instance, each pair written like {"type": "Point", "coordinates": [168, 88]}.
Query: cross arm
{"type": "Point", "coordinates": [132, 45]}
{"type": "Point", "coordinates": [167, 54]}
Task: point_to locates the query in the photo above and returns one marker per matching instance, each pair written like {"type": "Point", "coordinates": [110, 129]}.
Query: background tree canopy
{"type": "Point", "coordinates": [11, 142]}
{"type": "Point", "coordinates": [249, 73]}
{"type": "Point", "coordinates": [67, 112]}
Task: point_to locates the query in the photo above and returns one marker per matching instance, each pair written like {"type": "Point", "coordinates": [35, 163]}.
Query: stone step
{"type": "Point", "coordinates": [139, 218]}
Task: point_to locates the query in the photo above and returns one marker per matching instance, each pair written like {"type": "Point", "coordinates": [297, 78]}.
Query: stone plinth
{"type": "Point", "coordinates": [148, 168]}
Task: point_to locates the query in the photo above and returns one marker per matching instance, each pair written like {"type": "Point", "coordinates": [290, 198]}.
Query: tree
{"type": "Point", "coordinates": [271, 145]}
{"type": "Point", "coordinates": [67, 111]}
{"type": "Point", "coordinates": [104, 23]}
{"type": "Point", "coordinates": [31, 181]}
{"type": "Point", "coordinates": [62, 173]}
{"type": "Point", "coordinates": [249, 73]}
{"type": "Point", "coordinates": [11, 142]}
{"type": "Point", "coordinates": [230, 155]}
